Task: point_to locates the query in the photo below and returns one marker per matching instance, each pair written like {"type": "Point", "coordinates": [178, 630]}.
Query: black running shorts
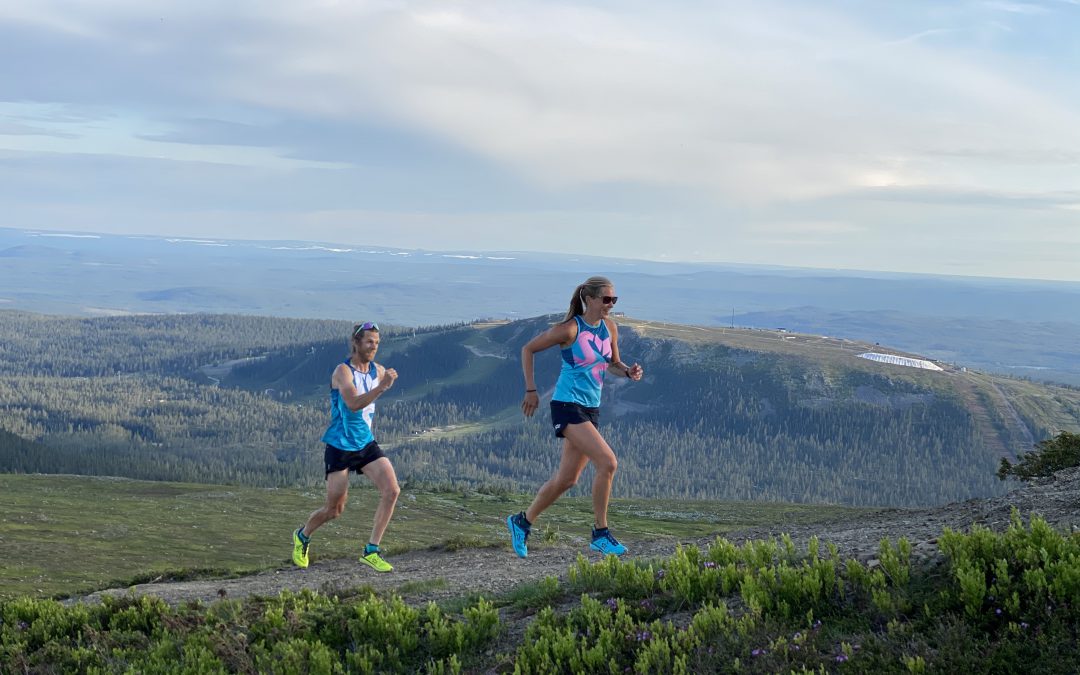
{"type": "Point", "coordinates": [564, 414]}
{"type": "Point", "coordinates": [351, 460]}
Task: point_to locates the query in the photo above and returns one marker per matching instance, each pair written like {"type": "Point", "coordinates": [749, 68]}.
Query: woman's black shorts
{"type": "Point", "coordinates": [351, 460]}
{"type": "Point", "coordinates": [564, 414]}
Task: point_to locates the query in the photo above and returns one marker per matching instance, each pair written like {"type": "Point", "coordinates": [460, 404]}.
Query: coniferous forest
{"type": "Point", "coordinates": [734, 415]}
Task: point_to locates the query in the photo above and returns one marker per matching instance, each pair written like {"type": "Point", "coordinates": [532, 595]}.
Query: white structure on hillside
{"type": "Point", "coordinates": [900, 360]}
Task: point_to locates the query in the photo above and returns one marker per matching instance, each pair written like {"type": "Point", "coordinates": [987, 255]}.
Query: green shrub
{"type": "Point", "coordinates": [1004, 602]}
{"type": "Point", "coordinates": [1023, 575]}
{"type": "Point", "coordinates": [1053, 454]}
{"type": "Point", "coordinates": [538, 594]}
{"type": "Point", "coordinates": [613, 577]}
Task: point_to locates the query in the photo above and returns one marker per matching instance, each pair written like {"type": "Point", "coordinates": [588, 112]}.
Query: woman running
{"type": "Point", "coordinates": [590, 347]}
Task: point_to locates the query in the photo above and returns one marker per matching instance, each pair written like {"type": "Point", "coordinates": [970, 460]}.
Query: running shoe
{"type": "Point", "coordinates": [299, 549]}
{"type": "Point", "coordinates": [375, 562]}
{"type": "Point", "coordinates": [606, 543]}
{"type": "Point", "coordinates": [518, 536]}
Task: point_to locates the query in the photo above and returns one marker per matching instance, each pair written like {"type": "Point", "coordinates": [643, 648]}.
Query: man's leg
{"type": "Point", "coordinates": [381, 473]}
{"type": "Point", "coordinates": [337, 493]}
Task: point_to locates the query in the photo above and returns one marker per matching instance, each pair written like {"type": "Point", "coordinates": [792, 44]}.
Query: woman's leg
{"type": "Point", "coordinates": [588, 442]}
{"type": "Point", "coordinates": [570, 467]}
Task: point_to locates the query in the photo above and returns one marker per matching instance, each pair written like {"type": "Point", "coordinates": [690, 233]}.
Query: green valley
{"type": "Point", "coordinates": [723, 414]}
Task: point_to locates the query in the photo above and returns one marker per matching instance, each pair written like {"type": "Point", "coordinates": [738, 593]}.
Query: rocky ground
{"type": "Point", "coordinates": [421, 576]}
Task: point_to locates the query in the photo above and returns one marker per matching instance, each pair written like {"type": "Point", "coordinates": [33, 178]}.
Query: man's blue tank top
{"type": "Point", "coordinates": [350, 430]}
{"type": "Point", "coordinates": [584, 363]}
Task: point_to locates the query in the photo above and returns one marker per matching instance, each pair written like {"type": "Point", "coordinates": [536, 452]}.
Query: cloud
{"type": "Point", "coordinates": [1016, 7]}
{"type": "Point", "coordinates": [925, 34]}
{"type": "Point", "coordinates": [817, 228]}
{"type": "Point", "coordinates": [703, 121]}
{"type": "Point", "coordinates": [12, 128]}
{"type": "Point", "coordinates": [929, 195]}
{"type": "Point", "coordinates": [798, 104]}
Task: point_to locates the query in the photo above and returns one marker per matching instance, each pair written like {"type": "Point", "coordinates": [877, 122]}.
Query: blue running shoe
{"type": "Point", "coordinates": [606, 543]}
{"type": "Point", "coordinates": [518, 536]}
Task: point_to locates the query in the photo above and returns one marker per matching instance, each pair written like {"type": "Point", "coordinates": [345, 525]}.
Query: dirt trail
{"type": "Point", "coordinates": [1029, 438]}
{"type": "Point", "coordinates": [492, 571]}
{"type": "Point", "coordinates": [984, 418]}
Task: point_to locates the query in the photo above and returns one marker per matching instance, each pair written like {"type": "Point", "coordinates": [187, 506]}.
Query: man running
{"type": "Point", "coordinates": [351, 446]}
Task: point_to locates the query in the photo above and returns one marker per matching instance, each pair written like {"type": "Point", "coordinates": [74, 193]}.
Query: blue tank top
{"type": "Point", "coordinates": [584, 363]}
{"type": "Point", "coordinates": [350, 430]}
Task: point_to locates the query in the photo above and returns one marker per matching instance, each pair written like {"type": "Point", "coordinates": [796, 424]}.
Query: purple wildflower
{"type": "Point", "coordinates": [757, 652]}
{"type": "Point", "coordinates": [1024, 625]}
{"type": "Point", "coordinates": [998, 611]}
{"type": "Point", "coordinates": [660, 573]}
{"type": "Point", "coordinates": [708, 564]}
{"type": "Point", "coordinates": [612, 604]}
{"type": "Point", "coordinates": [817, 624]}
{"type": "Point", "coordinates": [23, 625]}
{"type": "Point", "coordinates": [840, 658]}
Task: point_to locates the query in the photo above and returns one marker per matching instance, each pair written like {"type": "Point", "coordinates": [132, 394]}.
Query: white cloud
{"type": "Point", "coordinates": [773, 120]}
{"type": "Point", "coordinates": [811, 228]}
{"type": "Point", "coordinates": [1015, 7]}
{"type": "Point", "coordinates": [801, 104]}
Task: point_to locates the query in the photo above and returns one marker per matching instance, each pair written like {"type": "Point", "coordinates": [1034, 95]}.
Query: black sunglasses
{"type": "Point", "coordinates": [367, 325]}
{"type": "Point", "coordinates": [609, 299]}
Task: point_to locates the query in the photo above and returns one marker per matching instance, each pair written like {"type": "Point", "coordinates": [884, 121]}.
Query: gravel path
{"type": "Point", "coordinates": [493, 571]}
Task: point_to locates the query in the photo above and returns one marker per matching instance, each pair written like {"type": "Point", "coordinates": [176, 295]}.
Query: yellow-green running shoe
{"type": "Point", "coordinates": [376, 563]}
{"type": "Point", "coordinates": [299, 549]}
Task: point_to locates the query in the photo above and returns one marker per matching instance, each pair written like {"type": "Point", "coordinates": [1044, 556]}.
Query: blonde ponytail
{"type": "Point", "coordinates": [592, 288]}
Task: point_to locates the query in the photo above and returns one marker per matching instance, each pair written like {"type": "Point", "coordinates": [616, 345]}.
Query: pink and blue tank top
{"type": "Point", "coordinates": [584, 363]}
{"type": "Point", "coordinates": [350, 430]}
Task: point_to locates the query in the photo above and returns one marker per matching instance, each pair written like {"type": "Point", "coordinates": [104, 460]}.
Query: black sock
{"type": "Point", "coordinates": [522, 520]}
{"type": "Point", "coordinates": [599, 532]}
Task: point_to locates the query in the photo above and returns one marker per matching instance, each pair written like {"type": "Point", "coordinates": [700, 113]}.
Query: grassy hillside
{"type": "Point", "coordinates": [982, 602]}
{"type": "Point", "coordinates": [63, 535]}
{"type": "Point", "coordinates": [729, 414]}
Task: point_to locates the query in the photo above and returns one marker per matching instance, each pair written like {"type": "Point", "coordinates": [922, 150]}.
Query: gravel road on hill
{"type": "Point", "coordinates": [493, 571]}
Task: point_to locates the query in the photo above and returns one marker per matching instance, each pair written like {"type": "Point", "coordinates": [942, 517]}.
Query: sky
{"type": "Point", "coordinates": [928, 137]}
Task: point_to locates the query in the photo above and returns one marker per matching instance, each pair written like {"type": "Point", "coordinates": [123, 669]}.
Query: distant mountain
{"type": "Point", "coordinates": [194, 295]}
{"type": "Point", "coordinates": [722, 413]}
{"type": "Point", "coordinates": [109, 275]}
{"type": "Point", "coordinates": [1044, 350]}
{"type": "Point", "coordinates": [32, 251]}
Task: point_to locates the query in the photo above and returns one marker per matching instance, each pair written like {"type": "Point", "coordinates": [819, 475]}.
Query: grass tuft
{"type": "Point", "coordinates": [422, 586]}
{"type": "Point", "coordinates": [460, 542]}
